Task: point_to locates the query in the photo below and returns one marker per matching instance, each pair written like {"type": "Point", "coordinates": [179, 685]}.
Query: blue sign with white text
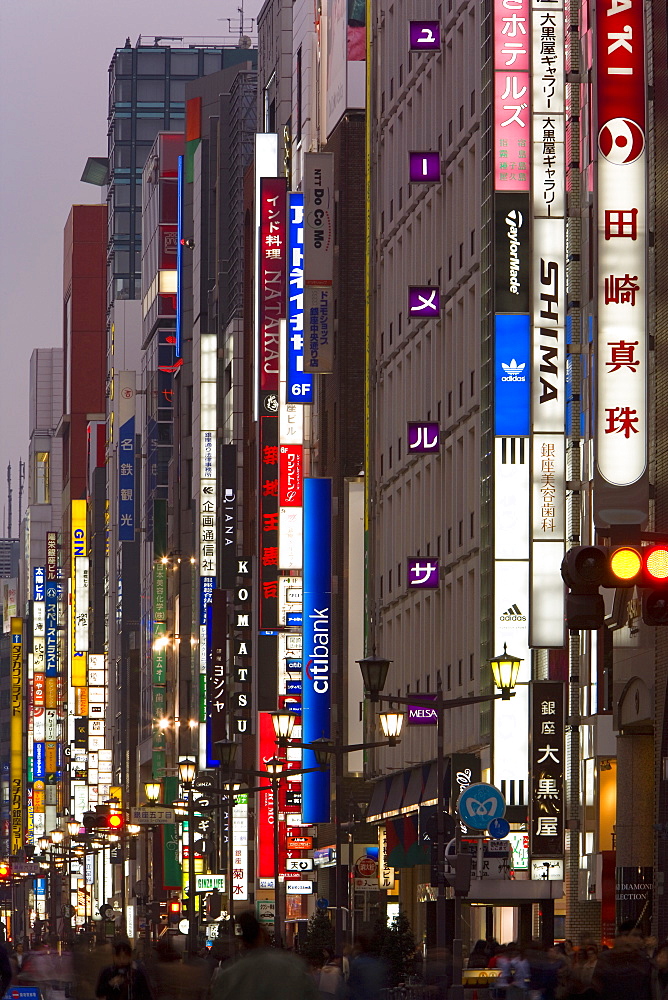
{"type": "Point", "coordinates": [512, 375]}
{"type": "Point", "coordinates": [299, 386]}
{"type": "Point", "coordinates": [38, 761]}
{"type": "Point", "coordinates": [126, 481]}
{"type": "Point", "coordinates": [316, 642]}
{"type": "Point", "coordinates": [39, 580]}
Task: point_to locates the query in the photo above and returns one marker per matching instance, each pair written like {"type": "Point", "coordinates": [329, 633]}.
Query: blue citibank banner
{"type": "Point", "coordinates": [317, 642]}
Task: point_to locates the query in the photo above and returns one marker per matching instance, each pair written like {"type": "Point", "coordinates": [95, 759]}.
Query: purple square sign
{"type": "Point", "coordinates": [422, 715]}
{"type": "Point", "coordinates": [425, 35]}
{"type": "Point", "coordinates": [424, 300]}
{"type": "Point", "coordinates": [423, 436]}
{"type": "Point", "coordinates": [424, 166]}
{"type": "Point", "coordinates": [423, 573]}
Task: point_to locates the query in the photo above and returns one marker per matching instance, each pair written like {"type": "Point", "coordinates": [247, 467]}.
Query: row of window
{"type": "Point", "coordinates": [182, 62]}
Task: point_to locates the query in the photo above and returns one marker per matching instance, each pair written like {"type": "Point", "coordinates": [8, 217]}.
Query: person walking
{"type": "Point", "coordinates": [262, 972]}
{"type": "Point", "coordinates": [123, 979]}
{"type": "Point", "coordinates": [624, 971]}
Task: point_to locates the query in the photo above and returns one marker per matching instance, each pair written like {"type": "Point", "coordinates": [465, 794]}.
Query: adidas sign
{"type": "Point", "coordinates": [513, 614]}
{"type": "Point", "coordinates": [513, 372]}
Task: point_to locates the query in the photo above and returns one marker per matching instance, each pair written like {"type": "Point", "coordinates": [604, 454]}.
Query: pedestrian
{"type": "Point", "coordinates": [368, 974]}
{"type": "Point", "coordinates": [660, 973]}
{"type": "Point", "coordinates": [331, 983]}
{"type": "Point", "coordinates": [479, 957]}
{"type": "Point", "coordinates": [123, 979]}
{"type": "Point", "coordinates": [514, 973]}
{"type": "Point", "coordinates": [262, 972]}
{"type": "Point", "coordinates": [6, 973]}
{"type": "Point", "coordinates": [624, 971]}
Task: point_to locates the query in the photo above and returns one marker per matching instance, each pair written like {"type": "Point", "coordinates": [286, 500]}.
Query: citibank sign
{"type": "Point", "coordinates": [317, 666]}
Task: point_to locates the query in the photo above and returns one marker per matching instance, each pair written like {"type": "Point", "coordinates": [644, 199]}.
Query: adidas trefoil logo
{"type": "Point", "coordinates": [513, 372]}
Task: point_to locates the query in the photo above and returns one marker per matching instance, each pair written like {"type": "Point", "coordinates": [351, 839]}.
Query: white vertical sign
{"type": "Point", "coordinates": [548, 328]}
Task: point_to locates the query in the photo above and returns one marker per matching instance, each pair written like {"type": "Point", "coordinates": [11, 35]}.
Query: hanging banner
{"type": "Point", "coordinates": [318, 262]}
{"type": "Point", "coordinates": [622, 348]}
{"type": "Point", "coordinates": [547, 769]}
{"type": "Point", "coordinates": [16, 755]}
{"type": "Point", "coordinates": [271, 276]}
{"type": "Point", "coordinates": [316, 642]}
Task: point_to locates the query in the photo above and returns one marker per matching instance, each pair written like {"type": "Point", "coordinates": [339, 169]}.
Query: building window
{"type": "Point", "coordinates": [449, 541]}
{"type": "Point", "coordinates": [472, 526]}
{"type": "Point", "coordinates": [449, 677]}
{"type": "Point", "coordinates": [471, 666]}
{"type": "Point", "coordinates": [460, 533]}
{"type": "Point", "coordinates": [459, 673]}
{"type": "Point", "coordinates": [42, 489]}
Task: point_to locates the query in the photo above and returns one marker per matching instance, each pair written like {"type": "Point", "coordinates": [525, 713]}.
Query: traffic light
{"type": "Point", "coordinates": [214, 905]}
{"type": "Point", "coordinates": [115, 821]}
{"type": "Point", "coordinates": [174, 911]}
{"type": "Point", "coordinates": [588, 567]}
{"type": "Point", "coordinates": [5, 871]}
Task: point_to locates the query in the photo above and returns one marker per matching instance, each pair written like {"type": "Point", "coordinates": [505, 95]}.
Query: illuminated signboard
{"type": "Point", "coordinates": [318, 261]}
{"type": "Point", "coordinates": [547, 769]}
{"type": "Point", "coordinates": [622, 352]}
{"type": "Point", "coordinates": [317, 639]}
{"type": "Point", "coordinates": [548, 347]}
{"type": "Point", "coordinates": [512, 93]}
{"type": "Point", "coordinates": [271, 276]}
{"type": "Point", "coordinates": [512, 377]}
{"type": "Point", "coordinates": [228, 517]}
{"type": "Point", "coordinates": [81, 590]}
{"type": "Point", "coordinates": [16, 736]}
{"type": "Point", "coordinates": [240, 847]}
{"type": "Point", "coordinates": [79, 549]}
{"type": "Point", "coordinates": [299, 388]}
{"type": "Point", "coordinates": [126, 457]}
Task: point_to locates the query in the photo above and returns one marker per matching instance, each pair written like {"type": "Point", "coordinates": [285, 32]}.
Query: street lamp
{"type": "Point", "coordinates": [325, 750]}
{"type": "Point", "coordinates": [152, 791]}
{"type": "Point", "coordinates": [374, 674]}
{"type": "Point", "coordinates": [505, 669]}
{"type": "Point", "coordinates": [284, 723]}
{"type": "Point", "coordinates": [274, 767]}
{"type": "Point", "coordinates": [187, 772]}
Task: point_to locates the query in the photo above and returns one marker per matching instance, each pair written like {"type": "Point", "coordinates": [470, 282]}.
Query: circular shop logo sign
{"type": "Point", "coordinates": [621, 140]}
{"type": "Point", "coordinates": [366, 867]}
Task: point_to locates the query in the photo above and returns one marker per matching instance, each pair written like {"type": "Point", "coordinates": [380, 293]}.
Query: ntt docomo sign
{"type": "Point", "coordinates": [621, 423]}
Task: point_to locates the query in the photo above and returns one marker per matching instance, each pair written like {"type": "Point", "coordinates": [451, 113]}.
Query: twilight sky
{"type": "Point", "coordinates": [54, 57]}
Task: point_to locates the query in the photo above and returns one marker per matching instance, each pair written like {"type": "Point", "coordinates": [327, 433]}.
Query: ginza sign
{"type": "Point", "coordinates": [621, 420]}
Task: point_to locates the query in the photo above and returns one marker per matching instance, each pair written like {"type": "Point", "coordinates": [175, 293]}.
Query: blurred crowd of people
{"type": "Point", "coordinates": [244, 966]}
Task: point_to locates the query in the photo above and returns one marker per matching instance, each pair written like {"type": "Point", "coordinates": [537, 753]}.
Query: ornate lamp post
{"type": "Point", "coordinates": [187, 772]}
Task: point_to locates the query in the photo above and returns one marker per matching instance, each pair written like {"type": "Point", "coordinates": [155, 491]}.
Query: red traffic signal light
{"type": "Point", "coordinates": [115, 821]}
{"type": "Point", "coordinates": [588, 567]}
{"type": "Point", "coordinates": [5, 870]}
{"type": "Point", "coordinates": [174, 910]}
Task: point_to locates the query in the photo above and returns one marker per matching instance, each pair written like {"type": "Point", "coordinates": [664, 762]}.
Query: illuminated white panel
{"type": "Point", "coordinates": [38, 618]}
{"type": "Point", "coordinates": [289, 596]}
{"type": "Point", "coordinates": [208, 357]}
{"type": "Point", "coordinates": [81, 592]}
{"type": "Point", "coordinates": [548, 487]}
{"type": "Point", "coordinates": [167, 283]}
{"type": "Point", "coordinates": [511, 498]}
{"type": "Point", "coordinates": [511, 718]}
{"type": "Point", "coordinates": [266, 165]}
{"type": "Point", "coordinates": [547, 595]}
{"type": "Point", "coordinates": [548, 386]}
{"type": "Point", "coordinates": [621, 424]}
{"type": "Point", "coordinates": [290, 537]}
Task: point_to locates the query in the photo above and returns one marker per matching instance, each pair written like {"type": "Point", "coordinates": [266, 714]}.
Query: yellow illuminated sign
{"type": "Point", "coordinates": [78, 659]}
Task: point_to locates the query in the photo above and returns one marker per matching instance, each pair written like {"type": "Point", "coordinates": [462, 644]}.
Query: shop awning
{"type": "Point", "coordinates": [413, 794]}
{"type": "Point", "coordinates": [376, 805]}
{"type": "Point", "coordinates": [395, 796]}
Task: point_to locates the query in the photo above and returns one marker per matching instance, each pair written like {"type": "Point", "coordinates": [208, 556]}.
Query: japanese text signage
{"type": "Point", "coordinates": [126, 458]}
{"type": "Point", "coordinates": [621, 373]}
{"type": "Point", "coordinates": [272, 275]}
{"type": "Point", "coordinates": [547, 769]}
{"type": "Point", "coordinates": [79, 659]}
{"type": "Point", "coordinates": [318, 261]}
{"type": "Point", "coordinates": [299, 388]}
{"type": "Point", "coordinates": [548, 339]}
{"type": "Point", "coordinates": [268, 520]}
{"type": "Point", "coordinates": [16, 736]}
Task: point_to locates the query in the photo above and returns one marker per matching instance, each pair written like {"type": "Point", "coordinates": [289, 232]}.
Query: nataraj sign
{"type": "Point", "coordinates": [272, 276]}
{"type": "Point", "coordinates": [621, 374]}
